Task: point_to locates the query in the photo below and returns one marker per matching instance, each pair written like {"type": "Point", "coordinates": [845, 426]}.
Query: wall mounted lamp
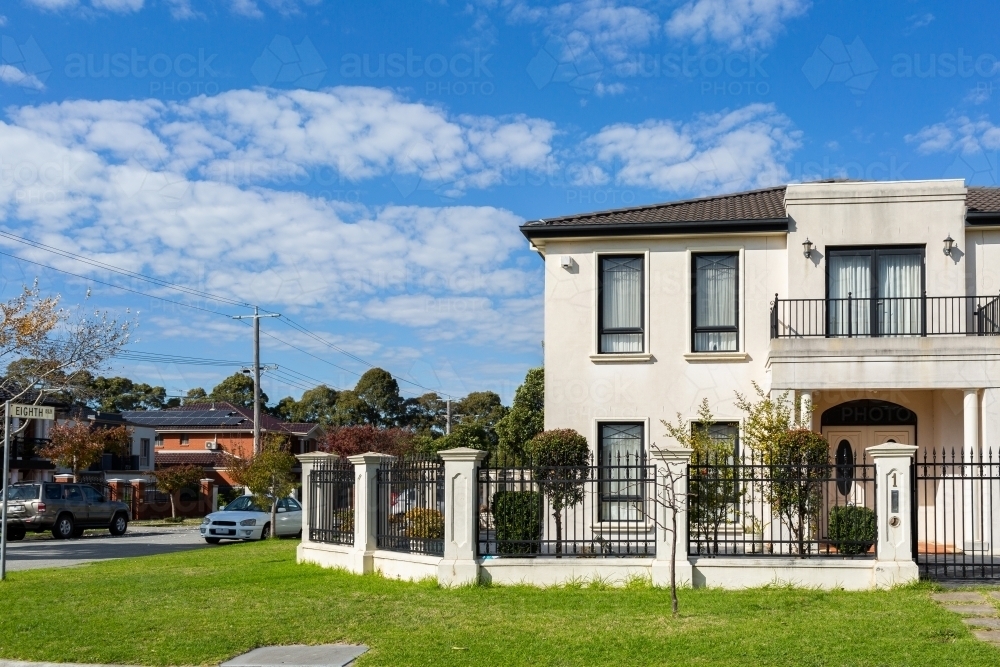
{"type": "Point", "coordinates": [949, 243]}
{"type": "Point", "coordinates": [807, 248]}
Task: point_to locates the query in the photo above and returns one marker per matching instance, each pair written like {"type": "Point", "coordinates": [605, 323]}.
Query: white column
{"type": "Point", "coordinates": [672, 468]}
{"type": "Point", "coordinates": [461, 516]}
{"type": "Point", "coordinates": [365, 511]}
{"type": "Point", "coordinates": [894, 563]}
{"type": "Point", "coordinates": [805, 410]}
{"type": "Point", "coordinates": [308, 461]}
{"type": "Point", "coordinates": [970, 455]}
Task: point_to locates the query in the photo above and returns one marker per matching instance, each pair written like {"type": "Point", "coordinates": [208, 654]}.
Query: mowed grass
{"type": "Point", "coordinates": [202, 607]}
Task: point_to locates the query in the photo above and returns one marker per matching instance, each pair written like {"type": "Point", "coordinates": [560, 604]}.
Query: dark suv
{"type": "Point", "coordinates": [65, 509]}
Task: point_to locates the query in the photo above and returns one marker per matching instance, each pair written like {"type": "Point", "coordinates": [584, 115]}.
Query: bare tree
{"type": "Point", "coordinates": [48, 350]}
{"type": "Point", "coordinates": [667, 503]}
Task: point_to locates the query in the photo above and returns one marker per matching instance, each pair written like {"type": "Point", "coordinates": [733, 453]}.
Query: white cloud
{"type": "Point", "coordinates": [14, 77]}
{"type": "Point", "coordinates": [182, 9]}
{"type": "Point", "coordinates": [3, 20]}
{"type": "Point", "coordinates": [738, 24]}
{"type": "Point", "coordinates": [121, 6]}
{"type": "Point", "coordinates": [609, 28]}
{"type": "Point", "coordinates": [53, 4]}
{"type": "Point", "coordinates": [247, 8]}
{"type": "Point", "coordinates": [959, 133]}
{"type": "Point", "coordinates": [129, 183]}
{"type": "Point", "coordinates": [724, 151]}
{"type": "Point", "coordinates": [918, 21]}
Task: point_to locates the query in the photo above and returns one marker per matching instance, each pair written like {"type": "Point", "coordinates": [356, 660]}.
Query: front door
{"type": "Point", "coordinates": [860, 438]}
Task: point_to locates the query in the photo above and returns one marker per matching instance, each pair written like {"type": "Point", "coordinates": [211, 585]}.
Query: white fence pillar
{"type": "Point", "coordinates": [365, 511]}
{"type": "Point", "coordinates": [894, 557]}
{"type": "Point", "coordinates": [461, 516]}
{"type": "Point", "coordinates": [672, 469]}
{"type": "Point", "coordinates": [308, 462]}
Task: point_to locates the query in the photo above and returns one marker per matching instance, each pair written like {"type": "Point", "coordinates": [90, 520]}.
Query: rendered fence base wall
{"type": "Point", "coordinates": [538, 572]}
{"type": "Point", "coordinates": [727, 573]}
{"type": "Point", "coordinates": [327, 555]}
{"type": "Point", "coordinates": [860, 575]}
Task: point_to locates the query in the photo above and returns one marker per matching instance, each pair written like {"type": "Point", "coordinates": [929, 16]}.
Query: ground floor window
{"type": "Point", "coordinates": [621, 459]}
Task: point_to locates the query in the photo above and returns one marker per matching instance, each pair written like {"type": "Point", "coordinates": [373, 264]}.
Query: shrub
{"type": "Point", "coordinates": [560, 464]}
{"type": "Point", "coordinates": [345, 519]}
{"type": "Point", "coordinates": [424, 523]}
{"type": "Point", "coordinates": [350, 440]}
{"type": "Point", "coordinates": [517, 516]}
{"type": "Point", "coordinates": [853, 530]}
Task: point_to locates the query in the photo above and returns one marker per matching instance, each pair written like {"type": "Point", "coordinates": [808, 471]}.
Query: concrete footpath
{"type": "Point", "coordinates": [323, 655]}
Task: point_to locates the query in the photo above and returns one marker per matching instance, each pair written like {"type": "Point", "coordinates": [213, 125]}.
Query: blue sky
{"type": "Point", "coordinates": [363, 167]}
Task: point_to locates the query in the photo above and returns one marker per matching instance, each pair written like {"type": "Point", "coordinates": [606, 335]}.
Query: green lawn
{"type": "Point", "coordinates": [205, 606]}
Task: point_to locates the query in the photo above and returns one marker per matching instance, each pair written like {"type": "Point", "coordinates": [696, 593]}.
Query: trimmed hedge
{"type": "Point", "coordinates": [424, 523]}
{"type": "Point", "coordinates": [517, 516]}
{"type": "Point", "coordinates": [853, 530]}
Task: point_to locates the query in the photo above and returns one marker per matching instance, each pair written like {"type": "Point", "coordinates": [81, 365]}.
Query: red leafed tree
{"type": "Point", "coordinates": [351, 440]}
{"type": "Point", "coordinates": [79, 445]}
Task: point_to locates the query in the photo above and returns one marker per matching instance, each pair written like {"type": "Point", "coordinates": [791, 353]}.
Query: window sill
{"type": "Point", "coordinates": [623, 526]}
{"type": "Point", "coordinates": [630, 358]}
{"type": "Point", "coordinates": [717, 357]}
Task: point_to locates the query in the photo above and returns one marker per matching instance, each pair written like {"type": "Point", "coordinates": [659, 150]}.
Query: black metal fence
{"type": "Point", "coordinates": [410, 501]}
{"type": "Point", "coordinates": [956, 507]}
{"type": "Point", "coordinates": [756, 507]}
{"type": "Point", "coordinates": [331, 502]}
{"type": "Point", "coordinates": [888, 317]}
{"type": "Point", "coordinates": [592, 511]}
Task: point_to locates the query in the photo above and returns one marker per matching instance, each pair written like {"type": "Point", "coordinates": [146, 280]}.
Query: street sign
{"type": "Point", "coordinates": [22, 411]}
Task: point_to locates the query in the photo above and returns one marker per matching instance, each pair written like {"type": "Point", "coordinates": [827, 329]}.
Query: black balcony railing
{"type": "Point", "coordinates": [889, 317]}
{"type": "Point", "coordinates": [27, 449]}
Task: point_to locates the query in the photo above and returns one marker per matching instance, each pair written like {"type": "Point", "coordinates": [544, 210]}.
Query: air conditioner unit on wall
{"type": "Point", "coordinates": [211, 444]}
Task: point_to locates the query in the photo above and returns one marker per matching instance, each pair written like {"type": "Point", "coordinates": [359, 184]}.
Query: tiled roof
{"type": "Point", "coordinates": [755, 209]}
{"type": "Point", "coordinates": [766, 204]}
{"type": "Point", "coordinates": [207, 459]}
{"type": "Point", "coordinates": [218, 415]}
{"type": "Point", "coordinates": [983, 200]}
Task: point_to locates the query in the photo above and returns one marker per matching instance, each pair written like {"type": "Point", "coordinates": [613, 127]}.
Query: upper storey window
{"type": "Point", "coordinates": [620, 304]}
{"type": "Point", "coordinates": [715, 304]}
{"type": "Point", "coordinates": [875, 291]}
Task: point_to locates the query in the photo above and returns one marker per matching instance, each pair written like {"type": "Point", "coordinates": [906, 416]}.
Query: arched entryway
{"type": "Point", "coordinates": [854, 426]}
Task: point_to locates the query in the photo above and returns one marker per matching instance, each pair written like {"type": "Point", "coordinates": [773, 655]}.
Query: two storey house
{"type": "Point", "coordinates": [874, 305]}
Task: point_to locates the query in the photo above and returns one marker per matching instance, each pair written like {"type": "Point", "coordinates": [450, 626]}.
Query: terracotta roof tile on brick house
{"type": "Point", "coordinates": [754, 210]}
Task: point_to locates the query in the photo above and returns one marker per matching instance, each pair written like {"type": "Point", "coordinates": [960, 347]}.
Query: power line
{"type": "Point", "coordinates": [101, 282]}
{"type": "Point", "coordinates": [190, 291]}
{"type": "Point", "coordinates": [124, 272]}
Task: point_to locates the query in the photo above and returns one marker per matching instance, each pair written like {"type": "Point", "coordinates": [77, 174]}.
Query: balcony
{"type": "Point", "coordinates": [24, 454]}
{"type": "Point", "coordinates": [889, 343]}
{"type": "Point", "coordinates": [886, 317]}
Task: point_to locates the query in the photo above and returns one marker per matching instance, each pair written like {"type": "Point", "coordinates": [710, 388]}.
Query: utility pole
{"type": "Point", "coordinates": [447, 421]}
{"type": "Point", "coordinates": [256, 371]}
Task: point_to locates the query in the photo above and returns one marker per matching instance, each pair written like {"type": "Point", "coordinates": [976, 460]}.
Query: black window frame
{"type": "Point", "coordinates": [874, 252]}
{"type": "Point", "coordinates": [724, 422]}
{"type": "Point", "coordinates": [605, 500]}
{"type": "Point", "coordinates": [695, 329]}
{"type": "Point", "coordinates": [641, 329]}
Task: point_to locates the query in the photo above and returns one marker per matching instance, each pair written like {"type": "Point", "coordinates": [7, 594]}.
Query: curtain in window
{"type": "Point", "coordinates": [850, 275]}
{"type": "Point", "coordinates": [898, 305]}
{"type": "Point", "coordinates": [715, 302]}
{"type": "Point", "coordinates": [726, 433]}
{"type": "Point", "coordinates": [621, 304]}
{"type": "Point", "coordinates": [621, 472]}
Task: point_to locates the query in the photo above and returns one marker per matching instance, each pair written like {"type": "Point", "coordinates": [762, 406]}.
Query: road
{"type": "Point", "coordinates": [95, 545]}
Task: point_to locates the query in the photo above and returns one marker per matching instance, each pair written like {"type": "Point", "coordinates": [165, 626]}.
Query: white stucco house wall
{"type": "Point", "coordinates": [887, 302]}
{"type": "Point", "coordinates": [859, 233]}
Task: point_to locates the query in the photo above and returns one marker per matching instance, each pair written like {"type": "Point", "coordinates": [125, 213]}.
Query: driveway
{"type": "Point", "coordinates": [30, 554]}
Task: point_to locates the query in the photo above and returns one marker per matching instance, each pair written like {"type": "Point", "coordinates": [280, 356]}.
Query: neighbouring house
{"type": "Point", "coordinates": [27, 464]}
{"type": "Point", "coordinates": [204, 433]}
{"type": "Point", "coordinates": [871, 308]}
